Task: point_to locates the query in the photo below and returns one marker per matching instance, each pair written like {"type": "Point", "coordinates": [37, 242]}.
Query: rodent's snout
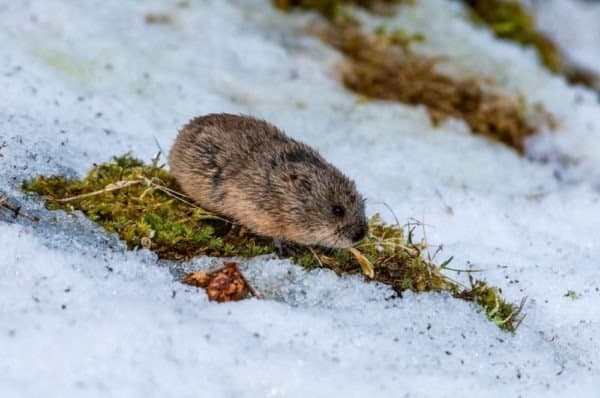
{"type": "Point", "coordinates": [360, 233]}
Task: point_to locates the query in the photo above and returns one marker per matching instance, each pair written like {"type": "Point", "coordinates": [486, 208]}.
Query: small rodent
{"type": "Point", "coordinates": [250, 171]}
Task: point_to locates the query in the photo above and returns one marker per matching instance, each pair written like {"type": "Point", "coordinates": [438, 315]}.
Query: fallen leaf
{"type": "Point", "coordinates": [222, 285]}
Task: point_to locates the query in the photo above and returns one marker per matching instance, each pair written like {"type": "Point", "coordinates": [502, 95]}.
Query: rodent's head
{"type": "Point", "coordinates": [323, 206]}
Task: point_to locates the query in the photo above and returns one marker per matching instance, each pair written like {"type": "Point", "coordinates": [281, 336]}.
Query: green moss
{"type": "Point", "coordinates": [145, 209]}
{"type": "Point", "coordinates": [497, 310]}
{"type": "Point", "coordinates": [510, 20]}
{"type": "Point", "coordinates": [142, 204]}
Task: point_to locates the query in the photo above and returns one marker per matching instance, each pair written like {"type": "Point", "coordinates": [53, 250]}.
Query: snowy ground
{"type": "Point", "coordinates": [80, 316]}
{"type": "Point", "coordinates": [578, 30]}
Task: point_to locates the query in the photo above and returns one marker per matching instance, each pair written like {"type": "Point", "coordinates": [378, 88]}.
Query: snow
{"type": "Point", "coordinates": [577, 33]}
{"type": "Point", "coordinates": [81, 316]}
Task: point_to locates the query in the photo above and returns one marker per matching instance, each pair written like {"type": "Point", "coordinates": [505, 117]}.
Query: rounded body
{"type": "Point", "coordinates": [250, 171]}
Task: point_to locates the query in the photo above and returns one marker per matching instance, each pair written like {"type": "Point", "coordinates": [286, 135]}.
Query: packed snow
{"type": "Point", "coordinates": [82, 316]}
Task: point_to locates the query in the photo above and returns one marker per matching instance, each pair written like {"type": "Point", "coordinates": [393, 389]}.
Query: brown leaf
{"type": "Point", "coordinates": [223, 285]}
{"type": "Point", "coordinates": [198, 279]}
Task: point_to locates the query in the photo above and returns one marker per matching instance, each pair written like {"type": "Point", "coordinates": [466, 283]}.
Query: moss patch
{"type": "Point", "coordinates": [142, 204]}
{"type": "Point", "coordinates": [511, 20]}
{"type": "Point", "coordinates": [139, 203]}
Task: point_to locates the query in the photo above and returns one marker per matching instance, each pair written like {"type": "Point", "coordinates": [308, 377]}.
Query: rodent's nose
{"type": "Point", "coordinates": [359, 234]}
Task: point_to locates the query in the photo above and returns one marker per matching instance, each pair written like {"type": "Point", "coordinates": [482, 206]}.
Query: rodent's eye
{"type": "Point", "coordinates": [338, 211]}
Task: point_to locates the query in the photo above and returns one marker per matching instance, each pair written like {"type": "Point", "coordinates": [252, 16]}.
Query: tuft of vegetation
{"type": "Point", "coordinates": [511, 20]}
{"type": "Point", "coordinates": [142, 203]}
{"type": "Point", "coordinates": [382, 66]}
{"type": "Point", "coordinates": [572, 294]}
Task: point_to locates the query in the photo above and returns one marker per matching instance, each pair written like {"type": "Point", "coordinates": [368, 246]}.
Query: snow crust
{"type": "Point", "coordinates": [81, 316]}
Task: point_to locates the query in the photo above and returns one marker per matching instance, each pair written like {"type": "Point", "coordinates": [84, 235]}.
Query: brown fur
{"type": "Point", "coordinates": [250, 171]}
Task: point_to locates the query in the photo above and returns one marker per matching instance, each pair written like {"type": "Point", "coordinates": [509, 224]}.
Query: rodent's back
{"type": "Point", "coordinates": [248, 170]}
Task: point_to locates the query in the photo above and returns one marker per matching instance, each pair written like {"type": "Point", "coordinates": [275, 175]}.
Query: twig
{"type": "Point", "coordinates": [518, 312]}
{"type": "Point", "coordinates": [182, 198]}
{"type": "Point", "coordinates": [16, 210]}
{"type": "Point", "coordinates": [391, 211]}
{"type": "Point", "coordinates": [109, 188]}
{"type": "Point", "coordinates": [160, 152]}
{"type": "Point", "coordinates": [449, 208]}
{"type": "Point", "coordinates": [466, 271]}
{"type": "Point", "coordinates": [316, 256]}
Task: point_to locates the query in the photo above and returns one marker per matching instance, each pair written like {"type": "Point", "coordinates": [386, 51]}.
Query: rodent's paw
{"type": "Point", "coordinates": [285, 249]}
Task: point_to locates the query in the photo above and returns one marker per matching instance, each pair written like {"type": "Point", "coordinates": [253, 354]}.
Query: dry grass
{"type": "Point", "coordinates": [380, 66]}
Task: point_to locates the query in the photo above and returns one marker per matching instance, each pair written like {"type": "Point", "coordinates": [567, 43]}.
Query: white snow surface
{"type": "Point", "coordinates": [80, 316]}
{"type": "Point", "coordinates": [578, 31]}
